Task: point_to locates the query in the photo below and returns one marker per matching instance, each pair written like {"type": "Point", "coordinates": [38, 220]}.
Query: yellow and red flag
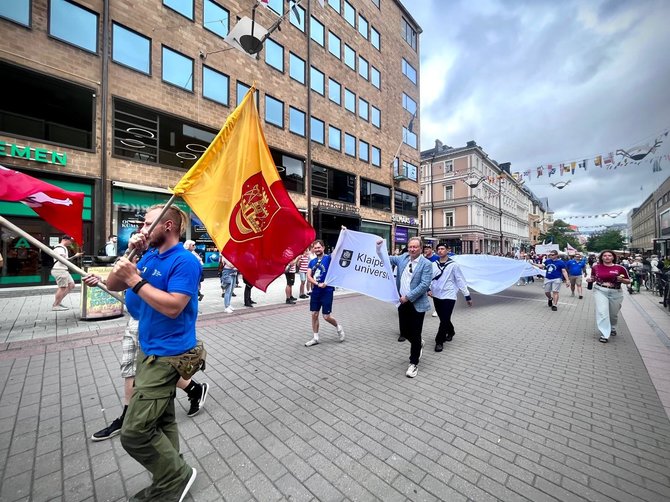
{"type": "Point", "coordinates": [235, 190]}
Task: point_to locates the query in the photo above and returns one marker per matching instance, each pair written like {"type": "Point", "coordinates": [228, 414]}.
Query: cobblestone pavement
{"type": "Point", "coordinates": [523, 404]}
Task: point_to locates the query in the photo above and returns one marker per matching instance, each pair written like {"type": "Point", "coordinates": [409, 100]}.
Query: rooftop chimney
{"type": "Point", "coordinates": [471, 144]}
{"type": "Point", "coordinates": [505, 166]}
{"type": "Point", "coordinates": [438, 144]}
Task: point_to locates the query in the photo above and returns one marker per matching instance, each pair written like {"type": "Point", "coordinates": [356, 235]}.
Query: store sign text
{"type": "Point", "coordinates": [34, 154]}
{"type": "Point", "coordinates": [399, 218]}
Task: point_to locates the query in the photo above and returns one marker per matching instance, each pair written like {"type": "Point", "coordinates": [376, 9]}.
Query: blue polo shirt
{"type": "Point", "coordinates": [175, 271]}
{"type": "Point", "coordinates": [576, 267]}
{"type": "Point", "coordinates": [319, 268]}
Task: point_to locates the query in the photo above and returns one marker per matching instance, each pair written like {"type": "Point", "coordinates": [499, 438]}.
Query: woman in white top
{"type": "Point", "coordinates": [447, 281]}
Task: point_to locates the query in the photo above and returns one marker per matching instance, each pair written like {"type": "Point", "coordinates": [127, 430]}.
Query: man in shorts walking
{"type": "Point", "coordinates": [60, 272]}
{"type": "Point", "coordinates": [556, 269]}
{"type": "Point", "coordinates": [576, 268]}
{"type": "Point", "coordinates": [322, 294]}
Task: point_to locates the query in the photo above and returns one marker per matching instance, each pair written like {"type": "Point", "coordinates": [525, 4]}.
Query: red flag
{"type": "Point", "coordinates": [59, 208]}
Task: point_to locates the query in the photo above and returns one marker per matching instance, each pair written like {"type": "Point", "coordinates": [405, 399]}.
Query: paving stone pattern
{"type": "Point", "coordinates": [524, 404]}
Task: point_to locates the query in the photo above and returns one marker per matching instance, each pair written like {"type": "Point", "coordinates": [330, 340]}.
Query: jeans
{"type": "Point", "coordinates": [608, 303]}
{"type": "Point", "coordinates": [444, 308]}
{"type": "Point", "coordinates": [411, 325]}
{"type": "Point", "coordinates": [228, 277]}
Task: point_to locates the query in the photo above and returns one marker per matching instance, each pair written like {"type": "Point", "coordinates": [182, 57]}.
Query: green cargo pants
{"type": "Point", "coordinates": [149, 433]}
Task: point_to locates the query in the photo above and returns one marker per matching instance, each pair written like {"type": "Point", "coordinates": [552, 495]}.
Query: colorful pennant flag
{"type": "Point", "coordinates": [598, 161]}
{"type": "Point", "coordinates": [58, 207]}
{"type": "Point", "coordinates": [235, 190]}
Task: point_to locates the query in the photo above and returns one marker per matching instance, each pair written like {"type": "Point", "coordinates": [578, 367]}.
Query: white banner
{"type": "Point", "coordinates": [545, 248]}
{"type": "Point", "coordinates": [491, 274]}
{"type": "Point", "coordinates": [355, 265]}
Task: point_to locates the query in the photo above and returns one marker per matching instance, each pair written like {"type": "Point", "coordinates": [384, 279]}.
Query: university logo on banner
{"type": "Point", "coordinates": [357, 265]}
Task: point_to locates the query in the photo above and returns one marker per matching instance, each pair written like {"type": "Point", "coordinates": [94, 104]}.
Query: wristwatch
{"type": "Point", "coordinates": [138, 286]}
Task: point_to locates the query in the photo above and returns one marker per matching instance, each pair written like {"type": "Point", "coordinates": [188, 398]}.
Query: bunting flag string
{"type": "Point", "coordinates": [644, 151]}
{"type": "Point", "coordinates": [602, 215]}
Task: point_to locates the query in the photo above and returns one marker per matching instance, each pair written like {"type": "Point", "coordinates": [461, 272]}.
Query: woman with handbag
{"type": "Point", "coordinates": [607, 278]}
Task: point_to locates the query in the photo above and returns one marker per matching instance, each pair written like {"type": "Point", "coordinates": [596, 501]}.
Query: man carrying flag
{"type": "Point", "coordinates": [235, 190]}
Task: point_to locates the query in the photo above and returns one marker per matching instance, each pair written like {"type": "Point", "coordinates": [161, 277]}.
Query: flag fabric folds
{"type": "Point", "coordinates": [491, 274]}
{"type": "Point", "coordinates": [355, 265]}
{"type": "Point", "coordinates": [58, 207]}
{"type": "Point", "coordinates": [235, 190]}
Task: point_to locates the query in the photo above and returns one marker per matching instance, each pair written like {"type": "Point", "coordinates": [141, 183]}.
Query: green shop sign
{"type": "Point", "coordinates": [35, 154]}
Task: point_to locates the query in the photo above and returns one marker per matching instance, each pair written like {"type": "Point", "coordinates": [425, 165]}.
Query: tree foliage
{"type": "Point", "coordinates": [605, 239]}
{"type": "Point", "coordinates": [561, 233]}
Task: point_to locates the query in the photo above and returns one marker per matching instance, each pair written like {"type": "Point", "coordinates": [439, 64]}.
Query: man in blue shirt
{"type": "Point", "coordinates": [556, 269]}
{"type": "Point", "coordinates": [166, 280]}
{"type": "Point", "coordinates": [575, 271]}
{"type": "Point", "coordinates": [322, 294]}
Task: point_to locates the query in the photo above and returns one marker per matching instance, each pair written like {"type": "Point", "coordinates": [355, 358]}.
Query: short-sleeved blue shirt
{"type": "Point", "coordinates": [175, 271]}
{"type": "Point", "coordinates": [553, 268]}
{"type": "Point", "coordinates": [575, 267]}
{"type": "Point", "coordinates": [133, 303]}
{"type": "Point", "coordinates": [319, 268]}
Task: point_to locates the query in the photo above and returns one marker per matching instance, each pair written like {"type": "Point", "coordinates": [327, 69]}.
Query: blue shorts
{"type": "Point", "coordinates": [321, 299]}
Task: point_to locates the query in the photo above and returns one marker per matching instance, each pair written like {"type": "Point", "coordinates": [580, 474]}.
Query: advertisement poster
{"type": "Point", "coordinates": [204, 245]}
{"type": "Point", "coordinates": [96, 303]}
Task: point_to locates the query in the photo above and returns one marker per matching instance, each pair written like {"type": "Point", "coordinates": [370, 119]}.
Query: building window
{"type": "Point", "coordinates": [241, 91]}
{"type": "Point", "coordinates": [363, 109]}
{"type": "Point", "coordinates": [183, 7]}
{"type": "Point", "coordinates": [177, 69]}
{"type": "Point", "coordinates": [349, 14]}
{"type": "Point", "coordinates": [363, 26]}
{"type": "Point", "coordinates": [375, 38]}
{"type": "Point", "coordinates": [408, 137]}
{"type": "Point", "coordinates": [17, 11]}
{"type": "Point", "coordinates": [74, 24]}
{"type": "Point", "coordinates": [405, 203]}
{"type": "Point", "coordinates": [375, 116]}
{"type": "Point", "coordinates": [349, 144]}
{"type": "Point", "coordinates": [41, 114]}
{"type": "Point", "coordinates": [296, 121]}
{"type": "Point", "coordinates": [274, 54]}
{"type": "Point", "coordinates": [376, 156]}
{"type": "Point", "coordinates": [274, 111]}
{"type": "Point", "coordinates": [448, 218]}
{"type": "Point", "coordinates": [131, 49]}
{"type": "Point", "coordinates": [144, 135]}
{"type": "Point", "coordinates": [333, 184]}
{"type": "Point", "coordinates": [408, 104]}
{"type": "Point", "coordinates": [293, 174]}
{"type": "Point", "coordinates": [449, 192]}
{"type": "Point", "coordinates": [335, 4]}
{"type": "Point", "coordinates": [296, 68]}
{"type": "Point", "coordinates": [350, 57]}
{"type": "Point", "coordinates": [277, 6]}
{"type": "Point", "coordinates": [376, 2]}
{"type": "Point", "coordinates": [410, 170]}
{"type": "Point", "coordinates": [334, 45]}
{"type": "Point", "coordinates": [317, 32]}
{"type": "Point", "coordinates": [317, 81]}
{"type": "Point", "coordinates": [334, 138]}
{"type": "Point", "coordinates": [409, 71]}
{"type": "Point", "coordinates": [349, 100]}
{"type": "Point", "coordinates": [215, 18]}
{"type": "Point", "coordinates": [375, 195]}
{"type": "Point", "coordinates": [448, 166]}
{"type": "Point", "coordinates": [363, 67]}
{"type": "Point", "coordinates": [215, 85]}
{"type": "Point", "coordinates": [375, 77]}
{"type": "Point", "coordinates": [334, 91]}
{"type": "Point", "coordinates": [317, 130]}
{"type": "Point", "coordinates": [363, 151]}
{"type": "Point", "coordinates": [299, 21]}
{"type": "Point", "coordinates": [408, 33]}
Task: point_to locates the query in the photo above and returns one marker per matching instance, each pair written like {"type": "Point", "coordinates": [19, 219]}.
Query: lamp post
{"type": "Point", "coordinates": [500, 213]}
{"type": "Point", "coordinates": [473, 182]}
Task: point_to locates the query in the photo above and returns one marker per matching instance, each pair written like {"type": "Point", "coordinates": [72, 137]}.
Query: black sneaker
{"type": "Point", "coordinates": [450, 338]}
{"type": "Point", "coordinates": [438, 347]}
{"type": "Point", "coordinates": [293, 298]}
{"type": "Point", "coordinates": [550, 302]}
{"type": "Point", "coordinates": [554, 308]}
{"type": "Point", "coordinates": [303, 297]}
{"type": "Point", "coordinates": [290, 302]}
{"type": "Point", "coordinates": [197, 403]}
{"type": "Point", "coordinates": [113, 429]}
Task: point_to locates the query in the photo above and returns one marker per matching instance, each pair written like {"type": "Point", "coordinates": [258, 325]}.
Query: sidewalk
{"type": "Point", "coordinates": [524, 404]}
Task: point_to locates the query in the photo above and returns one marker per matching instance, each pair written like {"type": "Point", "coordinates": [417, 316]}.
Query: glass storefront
{"type": "Point", "coordinates": [383, 230]}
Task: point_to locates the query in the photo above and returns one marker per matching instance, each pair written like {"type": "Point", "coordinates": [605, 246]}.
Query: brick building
{"type": "Point", "coordinates": [118, 99]}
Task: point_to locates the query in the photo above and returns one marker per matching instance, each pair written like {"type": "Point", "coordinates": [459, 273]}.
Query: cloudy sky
{"type": "Point", "coordinates": [538, 82]}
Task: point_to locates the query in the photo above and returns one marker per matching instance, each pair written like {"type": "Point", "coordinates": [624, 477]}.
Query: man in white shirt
{"type": "Point", "coordinates": [110, 246]}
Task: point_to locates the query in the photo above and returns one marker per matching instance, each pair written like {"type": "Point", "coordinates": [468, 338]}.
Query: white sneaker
{"type": "Point", "coordinates": [434, 314]}
{"type": "Point", "coordinates": [228, 310]}
{"type": "Point", "coordinates": [340, 331]}
{"type": "Point", "coordinates": [313, 341]}
{"type": "Point", "coordinates": [412, 371]}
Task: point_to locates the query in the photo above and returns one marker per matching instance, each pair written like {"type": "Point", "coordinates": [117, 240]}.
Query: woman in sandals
{"type": "Point", "coordinates": [608, 277]}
